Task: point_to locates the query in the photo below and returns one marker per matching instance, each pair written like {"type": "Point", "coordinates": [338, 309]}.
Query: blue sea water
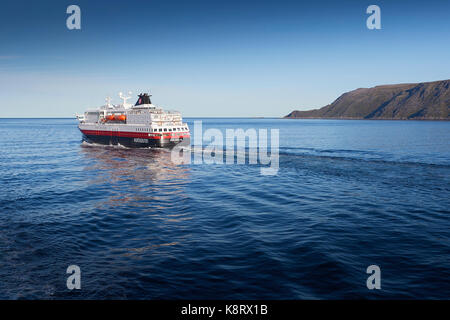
{"type": "Point", "coordinates": [348, 194]}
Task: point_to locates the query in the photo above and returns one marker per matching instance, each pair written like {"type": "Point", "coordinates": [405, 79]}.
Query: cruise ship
{"type": "Point", "coordinates": [141, 125]}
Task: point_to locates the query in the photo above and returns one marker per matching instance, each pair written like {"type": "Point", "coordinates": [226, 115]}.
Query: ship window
{"type": "Point", "coordinates": [160, 129]}
{"type": "Point", "coordinates": [165, 129]}
{"type": "Point", "coordinates": [170, 129]}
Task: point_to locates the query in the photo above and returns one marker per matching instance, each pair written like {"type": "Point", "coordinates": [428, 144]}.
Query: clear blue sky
{"type": "Point", "coordinates": [213, 58]}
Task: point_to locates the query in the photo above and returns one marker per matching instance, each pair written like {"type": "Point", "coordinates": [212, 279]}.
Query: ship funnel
{"type": "Point", "coordinates": [144, 98]}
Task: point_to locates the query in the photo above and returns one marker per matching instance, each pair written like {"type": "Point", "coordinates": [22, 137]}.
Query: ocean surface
{"type": "Point", "coordinates": [347, 195]}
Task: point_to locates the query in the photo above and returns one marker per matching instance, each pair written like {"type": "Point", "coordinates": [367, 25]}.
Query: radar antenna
{"type": "Point", "coordinates": [121, 96]}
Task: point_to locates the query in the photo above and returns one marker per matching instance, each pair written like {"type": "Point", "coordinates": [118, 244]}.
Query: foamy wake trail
{"type": "Point", "coordinates": [87, 144]}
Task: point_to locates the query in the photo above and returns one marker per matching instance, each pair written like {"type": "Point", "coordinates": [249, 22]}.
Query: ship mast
{"type": "Point", "coordinates": [108, 103]}
{"type": "Point", "coordinates": [125, 104]}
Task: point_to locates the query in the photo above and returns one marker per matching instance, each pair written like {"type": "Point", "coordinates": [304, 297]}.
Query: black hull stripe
{"type": "Point", "coordinates": [144, 135]}
{"type": "Point", "coordinates": [136, 142]}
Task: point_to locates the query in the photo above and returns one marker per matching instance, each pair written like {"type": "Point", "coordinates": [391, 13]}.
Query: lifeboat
{"type": "Point", "coordinates": [117, 117]}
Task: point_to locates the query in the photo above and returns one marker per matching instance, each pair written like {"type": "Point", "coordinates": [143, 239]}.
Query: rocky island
{"type": "Point", "coordinates": [413, 101]}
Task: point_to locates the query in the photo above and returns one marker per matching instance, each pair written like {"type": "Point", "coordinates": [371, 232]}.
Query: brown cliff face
{"type": "Point", "coordinates": [416, 101]}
